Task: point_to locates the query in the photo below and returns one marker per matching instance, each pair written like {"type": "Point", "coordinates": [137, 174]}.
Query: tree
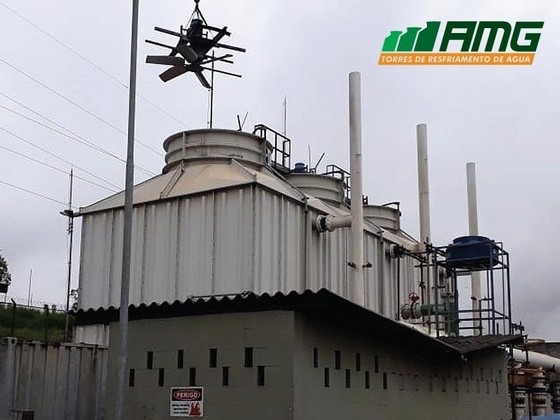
{"type": "Point", "coordinates": [5, 277]}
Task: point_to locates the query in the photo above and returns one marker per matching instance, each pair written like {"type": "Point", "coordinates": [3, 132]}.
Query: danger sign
{"type": "Point", "coordinates": [187, 402]}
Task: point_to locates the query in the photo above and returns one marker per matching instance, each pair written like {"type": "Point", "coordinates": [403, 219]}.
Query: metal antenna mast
{"type": "Point", "coordinates": [284, 114]}
{"type": "Point", "coordinates": [211, 92]}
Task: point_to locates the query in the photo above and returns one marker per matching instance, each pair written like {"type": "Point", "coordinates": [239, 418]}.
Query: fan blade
{"type": "Point", "coordinates": [190, 55]}
{"type": "Point", "coordinates": [165, 59]}
{"type": "Point", "coordinates": [172, 73]}
{"type": "Point", "coordinates": [202, 79]}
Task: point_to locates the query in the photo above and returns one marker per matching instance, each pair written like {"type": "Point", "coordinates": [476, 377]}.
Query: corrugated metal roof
{"type": "Point", "coordinates": [323, 304]}
{"type": "Point", "coordinates": [195, 179]}
{"type": "Point", "coordinates": [471, 344]}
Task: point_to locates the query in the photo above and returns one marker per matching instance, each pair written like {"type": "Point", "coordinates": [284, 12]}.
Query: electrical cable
{"type": "Point", "coordinates": [55, 168]}
{"type": "Point", "coordinates": [75, 104]}
{"type": "Point", "coordinates": [57, 157]}
{"type": "Point", "coordinates": [35, 193]}
{"type": "Point", "coordinates": [88, 61]}
{"type": "Point", "coordinates": [74, 136]}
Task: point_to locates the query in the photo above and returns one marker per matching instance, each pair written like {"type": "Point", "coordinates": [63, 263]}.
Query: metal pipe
{"type": "Point", "coordinates": [473, 230]}
{"type": "Point", "coordinates": [357, 228]}
{"type": "Point", "coordinates": [127, 231]}
{"type": "Point", "coordinates": [537, 360]}
{"type": "Point", "coordinates": [330, 223]}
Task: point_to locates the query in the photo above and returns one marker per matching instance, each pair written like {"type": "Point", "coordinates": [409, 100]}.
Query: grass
{"type": "Point", "coordinates": [31, 324]}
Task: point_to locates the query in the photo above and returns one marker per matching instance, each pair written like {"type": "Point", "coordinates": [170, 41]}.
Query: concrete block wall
{"type": "Point", "coordinates": [367, 378]}
{"type": "Point", "coordinates": [311, 370]}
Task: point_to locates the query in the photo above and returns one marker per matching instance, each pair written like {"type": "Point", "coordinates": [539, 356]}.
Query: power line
{"type": "Point", "coordinates": [70, 101]}
{"type": "Point", "coordinates": [55, 168]}
{"type": "Point", "coordinates": [84, 142]}
{"type": "Point", "coordinates": [74, 136]}
{"type": "Point", "coordinates": [56, 156]}
{"type": "Point", "coordinates": [88, 61]}
{"type": "Point", "coordinates": [34, 193]}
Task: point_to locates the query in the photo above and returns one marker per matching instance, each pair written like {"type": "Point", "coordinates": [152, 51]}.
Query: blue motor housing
{"type": "Point", "coordinates": [472, 253]}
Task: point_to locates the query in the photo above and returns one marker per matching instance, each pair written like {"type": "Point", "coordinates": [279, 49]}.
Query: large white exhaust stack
{"type": "Point", "coordinates": [423, 183]}
{"type": "Point", "coordinates": [424, 203]}
{"type": "Point", "coordinates": [473, 230]}
{"type": "Point", "coordinates": [356, 288]}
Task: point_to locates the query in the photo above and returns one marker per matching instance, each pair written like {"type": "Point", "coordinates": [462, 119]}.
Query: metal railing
{"type": "Point", "coordinates": [281, 147]}
{"type": "Point", "coordinates": [337, 172]}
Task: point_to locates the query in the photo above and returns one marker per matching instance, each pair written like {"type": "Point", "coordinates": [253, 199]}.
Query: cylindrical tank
{"type": "Point", "coordinates": [383, 216]}
{"type": "Point", "coordinates": [324, 187]}
{"type": "Point", "coordinates": [201, 146]}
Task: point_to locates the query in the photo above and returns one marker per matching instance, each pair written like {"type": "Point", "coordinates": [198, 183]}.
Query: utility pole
{"type": "Point", "coordinates": [70, 214]}
{"type": "Point", "coordinates": [127, 231]}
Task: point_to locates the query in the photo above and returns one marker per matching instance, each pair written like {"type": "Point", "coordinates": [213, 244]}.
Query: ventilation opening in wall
{"type": "Point", "coordinates": [131, 375]}
{"type": "Point", "coordinates": [315, 357]}
{"type": "Point", "coordinates": [225, 376]}
{"type": "Point", "coordinates": [326, 379]}
{"type": "Point", "coordinates": [180, 359]}
{"type": "Point", "coordinates": [248, 357]}
{"type": "Point", "coordinates": [260, 375]}
{"type": "Point", "coordinates": [384, 380]}
{"type": "Point", "coordinates": [161, 376]}
{"type": "Point", "coordinates": [192, 376]}
{"type": "Point", "coordinates": [366, 379]}
{"type": "Point", "coordinates": [213, 358]}
{"type": "Point", "coordinates": [337, 357]}
{"type": "Point", "coordinates": [150, 360]}
{"type": "Point", "coordinates": [347, 378]}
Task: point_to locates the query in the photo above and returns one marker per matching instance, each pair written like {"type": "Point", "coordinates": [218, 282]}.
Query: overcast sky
{"type": "Point", "coordinates": [503, 118]}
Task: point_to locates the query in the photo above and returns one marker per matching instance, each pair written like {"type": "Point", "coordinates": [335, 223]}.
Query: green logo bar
{"type": "Point", "coordinates": [427, 37]}
{"type": "Point", "coordinates": [521, 37]}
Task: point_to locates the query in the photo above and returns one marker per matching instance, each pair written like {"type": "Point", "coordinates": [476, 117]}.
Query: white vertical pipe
{"type": "Point", "coordinates": [356, 288]}
{"type": "Point", "coordinates": [424, 201]}
{"type": "Point", "coordinates": [473, 230]}
{"type": "Point", "coordinates": [423, 183]}
{"type": "Point", "coordinates": [471, 197]}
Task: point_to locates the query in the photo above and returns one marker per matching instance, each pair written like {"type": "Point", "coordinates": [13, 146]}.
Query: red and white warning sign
{"type": "Point", "coordinates": [187, 402]}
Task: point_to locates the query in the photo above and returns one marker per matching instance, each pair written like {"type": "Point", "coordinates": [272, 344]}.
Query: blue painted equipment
{"type": "Point", "coordinates": [472, 253]}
